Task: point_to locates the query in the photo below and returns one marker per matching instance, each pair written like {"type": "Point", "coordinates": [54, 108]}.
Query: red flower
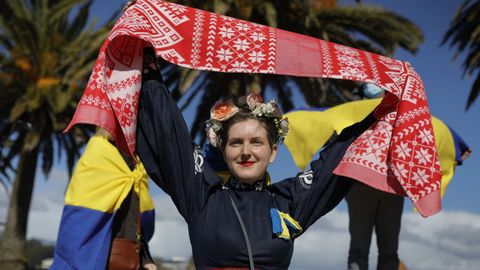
{"type": "Point", "coordinates": [223, 110]}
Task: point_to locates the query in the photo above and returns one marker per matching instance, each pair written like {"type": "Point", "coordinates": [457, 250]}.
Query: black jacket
{"type": "Point", "coordinates": [176, 164]}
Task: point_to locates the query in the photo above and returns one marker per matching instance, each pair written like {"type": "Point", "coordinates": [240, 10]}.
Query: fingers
{"type": "Point", "coordinates": [150, 266]}
{"type": "Point", "coordinates": [129, 4]}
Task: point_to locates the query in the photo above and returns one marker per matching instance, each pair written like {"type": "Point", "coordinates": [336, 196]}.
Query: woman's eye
{"type": "Point", "coordinates": [257, 142]}
{"type": "Point", "coordinates": [235, 142]}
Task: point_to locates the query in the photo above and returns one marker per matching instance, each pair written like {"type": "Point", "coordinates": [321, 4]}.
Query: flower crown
{"type": "Point", "coordinates": [223, 110]}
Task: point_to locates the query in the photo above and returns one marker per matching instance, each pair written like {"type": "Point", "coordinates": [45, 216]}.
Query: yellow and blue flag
{"type": "Point", "coordinates": [310, 129]}
{"type": "Point", "coordinates": [100, 183]}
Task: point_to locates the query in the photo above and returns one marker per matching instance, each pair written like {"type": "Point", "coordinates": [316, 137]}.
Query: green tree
{"type": "Point", "coordinates": [47, 50]}
{"type": "Point", "coordinates": [464, 34]}
{"type": "Point", "coordinates": [365, 27]}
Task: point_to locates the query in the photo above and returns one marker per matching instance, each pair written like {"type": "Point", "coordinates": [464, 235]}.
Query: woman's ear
{"type": "Point", "coordinates": [273, 155]}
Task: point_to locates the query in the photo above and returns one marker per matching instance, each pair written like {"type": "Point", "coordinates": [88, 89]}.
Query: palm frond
{"type": "Point", "coordinates": [475, 90]}
{"type": "Point", "coordinates": [464, 36]}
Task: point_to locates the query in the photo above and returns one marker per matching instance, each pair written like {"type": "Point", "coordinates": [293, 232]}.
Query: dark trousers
{"type": "Point", "coordinates": [369, 208]}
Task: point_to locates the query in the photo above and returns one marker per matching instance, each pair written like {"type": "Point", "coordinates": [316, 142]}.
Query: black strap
{"type": "Point", "coordinates": [245, 235]}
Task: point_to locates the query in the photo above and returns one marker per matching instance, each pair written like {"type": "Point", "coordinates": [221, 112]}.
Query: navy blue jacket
{"type": "Point", "coordinates": [176, 164]}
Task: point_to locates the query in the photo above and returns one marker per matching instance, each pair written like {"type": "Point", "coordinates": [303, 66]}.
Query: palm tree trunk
{"type": "Point", "coordinates": [13, 249]}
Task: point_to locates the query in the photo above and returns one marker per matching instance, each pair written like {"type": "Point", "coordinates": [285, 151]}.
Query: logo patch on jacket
{"type": "Point", "coordinates": [306, 179]}
{"type": "Point", "coordinates": [198, 159]}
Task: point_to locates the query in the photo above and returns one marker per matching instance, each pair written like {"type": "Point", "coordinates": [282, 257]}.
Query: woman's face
{"type": "Point", "coordinates": [247, 151]}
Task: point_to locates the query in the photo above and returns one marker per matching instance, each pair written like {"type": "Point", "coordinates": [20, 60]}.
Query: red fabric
{"type": "Point", "coordinates": [397, 154]}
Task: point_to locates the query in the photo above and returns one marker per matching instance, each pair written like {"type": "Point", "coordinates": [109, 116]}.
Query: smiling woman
{"type": "Point", "coordinates": [244, 222]}
{"type": "Point", "coordinates": [248, 151]}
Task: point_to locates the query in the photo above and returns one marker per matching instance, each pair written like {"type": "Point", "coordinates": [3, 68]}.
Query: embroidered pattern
{"type": "Point", "coordinates": [401, 148]}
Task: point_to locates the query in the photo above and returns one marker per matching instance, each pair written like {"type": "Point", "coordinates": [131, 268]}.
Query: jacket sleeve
{"type": "Point", "coordinates": [316, 191]}
{"type": "Point", "coordinates": [170, 157]}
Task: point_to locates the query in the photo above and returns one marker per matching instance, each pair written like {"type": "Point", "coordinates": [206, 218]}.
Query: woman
{"type": "Point", "coordinates": [244, 222]}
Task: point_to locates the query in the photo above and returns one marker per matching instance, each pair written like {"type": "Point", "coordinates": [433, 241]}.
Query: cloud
{"type": "Point", "coordinates": [165, 210]}
{"type": "Point", "coordinates": [448, 240]}
{"type": "Point", "coordinates": [44, 223]}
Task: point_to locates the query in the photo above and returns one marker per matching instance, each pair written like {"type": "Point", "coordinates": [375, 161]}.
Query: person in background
{"type": "Point", "coordinates": [370, 209]}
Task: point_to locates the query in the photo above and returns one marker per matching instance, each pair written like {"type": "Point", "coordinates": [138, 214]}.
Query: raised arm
{"type": "Point", "coordinates": [315, 192]}
{"type": "Point", "coordinates": [164, 145]}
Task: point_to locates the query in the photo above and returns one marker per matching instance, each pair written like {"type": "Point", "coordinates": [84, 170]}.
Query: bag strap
{"type": "Point", "coordinates": [245, 235]}
{"type": "Point", "coordinates": [138, 230]}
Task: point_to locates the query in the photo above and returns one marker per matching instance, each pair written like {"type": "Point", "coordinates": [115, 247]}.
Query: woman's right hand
{"type": "Point", "coordinates": [150, 266]}
{"type": "Point", "coordinates": [129, 4]}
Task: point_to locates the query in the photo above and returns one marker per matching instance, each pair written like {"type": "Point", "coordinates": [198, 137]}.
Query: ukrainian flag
{"type": "Point", "coordinates": [100, 183]}
{"type": "Point", "coordinates": [310, 129]}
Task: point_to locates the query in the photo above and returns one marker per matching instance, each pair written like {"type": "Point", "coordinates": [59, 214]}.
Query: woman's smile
{"type": "Point", "coordinates": [246, 163]}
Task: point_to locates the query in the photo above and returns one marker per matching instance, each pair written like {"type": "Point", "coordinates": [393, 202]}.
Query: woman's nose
{"type": "Point", "coordinates": [245, 150]}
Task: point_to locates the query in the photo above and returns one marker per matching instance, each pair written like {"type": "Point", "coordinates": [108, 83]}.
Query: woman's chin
{"type": "Point", "coordinates": [247, 174]}
{"type": "Point", "coordinates": [248, 178]}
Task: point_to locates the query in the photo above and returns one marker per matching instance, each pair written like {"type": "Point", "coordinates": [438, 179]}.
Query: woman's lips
{"type": "Point", "coordinates": [246, 163]}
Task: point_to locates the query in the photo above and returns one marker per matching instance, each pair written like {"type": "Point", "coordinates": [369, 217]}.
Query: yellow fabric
{"type": "Point", "coordinates": [293, 222]}
{"type": "Point", "coordinates": [102, 179]}
{"type": "Point", "coordinates": [284, 218]}
{"type": "Point", "coordinates": [310, 130]}
{"type": "Point", "coordinates": [285, 234]}
{"type": "Point", "coordinates": [446, 151]}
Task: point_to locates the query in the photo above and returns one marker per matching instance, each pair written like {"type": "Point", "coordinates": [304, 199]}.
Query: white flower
{"type": "Point", "coordinates": [239, 66]}
{"type": "Point", "coordinates": [241, 44]}
{"type": "Point", "coordinates": [258, 36]}
{"type": "Point", "coordinates": [243, 27]}
{"type": "Point", "coordinates": [256, 56]}
{"type": "Point", "coordinates": [212, 137]}
{"type": "Point", "coordinates": [426, 136]}
{"type": "Point", "coordinates": [403, 151]}
{"type": "Point", "coordinates": [224, 55]}
{"type": "Point", "coordinates": [226, 32]}
{"type": "Point", "coordinates": [401, 170]}
{"type": "Point", "coordinates": [420, 177]}
{"type": "Point", "coordinates": [212, 128]}
{"type": "Point", "coordinates": [423, 156]}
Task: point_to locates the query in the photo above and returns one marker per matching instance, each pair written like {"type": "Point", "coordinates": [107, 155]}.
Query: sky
{"type": "Point", "coordinates": [448, 240]}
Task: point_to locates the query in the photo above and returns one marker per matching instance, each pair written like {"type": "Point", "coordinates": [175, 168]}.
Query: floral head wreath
{"type": "Point", "coordinates": [223, 110]}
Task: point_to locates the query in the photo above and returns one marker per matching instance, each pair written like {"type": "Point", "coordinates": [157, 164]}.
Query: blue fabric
{"type": "Point", "coordinates": [214, 158]}
{"type": "Point", "coordinates": [291, 227]}
{"type": "Point", "coordinates": [276, 221]}
{"type": "Point", "coordinates": [460, 146]}
{"type": "Point", "coordinates": [83, 239]}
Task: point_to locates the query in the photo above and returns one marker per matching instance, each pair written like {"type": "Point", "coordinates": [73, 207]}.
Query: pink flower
{"type": "Point", "coordinates": [253, 100]}
{"type": "Point", "coordinates": [276, 111]}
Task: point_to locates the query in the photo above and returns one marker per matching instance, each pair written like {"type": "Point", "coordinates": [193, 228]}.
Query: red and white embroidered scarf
{"type": "Point", "coordinates": [397, 154]}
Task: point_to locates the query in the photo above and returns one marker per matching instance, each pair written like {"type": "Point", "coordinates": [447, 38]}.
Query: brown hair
{"type": "Point", "coordinates": [243, 115]}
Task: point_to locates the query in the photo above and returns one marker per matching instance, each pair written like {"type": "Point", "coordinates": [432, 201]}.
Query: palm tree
{"type": "Point", "coordinates": [47, 50]}
{"type": "Point", "coordinates": [361, 26]}
{"type": "Point", "coordinates": [464, 35]}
